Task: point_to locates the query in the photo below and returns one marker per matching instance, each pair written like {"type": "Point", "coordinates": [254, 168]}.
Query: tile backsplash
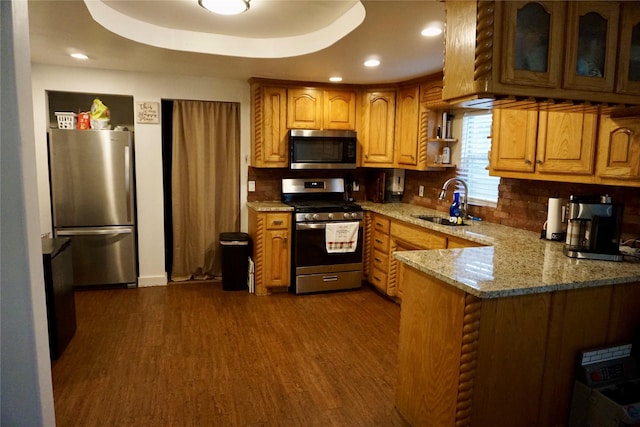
{"type": "Point", "coordinates": [521, 203]}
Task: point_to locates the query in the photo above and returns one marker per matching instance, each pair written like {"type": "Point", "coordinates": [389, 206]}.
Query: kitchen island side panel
{"type": "Point", "coordinates": [521, 368]}
{"type": "Point", "coordinates": [431, 325]}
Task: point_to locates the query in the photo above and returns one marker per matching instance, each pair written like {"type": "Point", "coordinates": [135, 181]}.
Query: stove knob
{"type": "Point", "coordinates": [354, 215]}
{"type": "Point", "coordinates": [346, 215]}
{"type": "Point", "coordinates": [330, 216]}
{"type": "Point", "coordinates": [308, 217]}
{"type": "Point", "coordinates": [315, 217]}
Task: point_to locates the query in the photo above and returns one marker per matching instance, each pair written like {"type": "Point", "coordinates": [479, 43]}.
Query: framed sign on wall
{"type": "Point", "coordinates": [147, 112]}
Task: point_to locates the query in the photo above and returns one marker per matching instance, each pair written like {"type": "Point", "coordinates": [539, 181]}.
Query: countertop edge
{"type": "Point", "coordinates": [527, 275]}
{"type": "Point", "coordinates": [269, 206]}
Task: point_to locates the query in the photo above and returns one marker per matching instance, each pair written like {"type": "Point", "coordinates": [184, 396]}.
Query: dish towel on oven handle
{"type": "Point", "coordinates": [341, 236]}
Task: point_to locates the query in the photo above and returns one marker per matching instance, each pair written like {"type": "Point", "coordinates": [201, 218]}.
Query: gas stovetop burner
{"type": "Point", "coordinates": [325, 206]}
{"type": "Point", "coordinates": [322, 196]}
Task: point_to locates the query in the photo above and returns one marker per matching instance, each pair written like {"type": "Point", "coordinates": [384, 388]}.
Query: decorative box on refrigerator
{"type": "Point", "coordinates": [93, 203]}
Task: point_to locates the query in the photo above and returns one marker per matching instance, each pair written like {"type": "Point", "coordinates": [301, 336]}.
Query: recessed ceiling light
{"type": "Point", "coordinates": [371, 63]}
{"type": "Point", "coordinates": [79, 56]}
{"type": "Point", "coordinates": [335, 79]}
{"type": "Point", "coordinates": [432, 30]}
{"type": "Point", "coordinates": [225, 7]}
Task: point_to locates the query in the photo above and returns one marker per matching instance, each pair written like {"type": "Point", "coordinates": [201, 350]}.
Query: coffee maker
{"type": "Point", "coordinates": [593, 229]}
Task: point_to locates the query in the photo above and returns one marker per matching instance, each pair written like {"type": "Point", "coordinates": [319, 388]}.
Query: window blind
{"type": "Point", "coordinates": [474, 161]}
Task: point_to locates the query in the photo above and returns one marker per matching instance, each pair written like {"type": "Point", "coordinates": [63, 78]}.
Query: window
{"type": "Point", "coordinates": [474, 159]}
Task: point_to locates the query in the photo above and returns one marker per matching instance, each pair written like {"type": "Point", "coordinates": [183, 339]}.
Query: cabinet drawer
{"type": "Point", "coordinates": [378, 279]}
{"type": "Point", "coordinates": [380, 260]}
{"type": "Point", "coordinates": [381, 224]}
{"type": "Point", "coordinates": [420, 237]}
{"type": "Point", "coordinates": [277, 221]}
{"type": "Point", "coordinates": [381, 242]}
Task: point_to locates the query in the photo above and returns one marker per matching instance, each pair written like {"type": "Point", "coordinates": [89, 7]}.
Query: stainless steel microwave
{"type": "Point", "coordinates": [322, 149]}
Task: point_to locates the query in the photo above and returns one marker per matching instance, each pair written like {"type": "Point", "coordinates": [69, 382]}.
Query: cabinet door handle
{"type": "Point", "coordinates": [378, 259]}
{"type": "Point", "coordinates": [527, 161]}
{"type": "Point", "coordinates": [285, 240]}
{"type": "Point", "coordinates": [539, 162]}
{"type": "Point", "coordinates": [378, 241]}
{"type": "Point", "coordinates": [377, 278]}
{"type": "Point", "coordinates": [277, 222]}
{"type": "Point", "coordinates": [366, 156]}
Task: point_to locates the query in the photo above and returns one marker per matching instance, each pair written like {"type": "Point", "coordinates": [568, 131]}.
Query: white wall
{"type": "Point", "coordinates": [143, 87]}
{"type": "Point", "coordinates": [26, 393]}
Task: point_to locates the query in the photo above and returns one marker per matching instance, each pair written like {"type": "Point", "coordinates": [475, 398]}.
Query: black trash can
{"type": "Point", "coordinates": [236, 248]}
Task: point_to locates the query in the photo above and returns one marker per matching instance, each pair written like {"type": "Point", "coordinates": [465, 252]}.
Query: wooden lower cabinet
{"type": "Point", "coordinates": [457, 243]}
{"type": "Point", "coordinates": [500, 362]}
{"type": "Point", "coordinates": [386, 236]}
{"type": "Point", "coordinates": [379, 252]}
{"type": "Point", "coordinates": [271, 236]}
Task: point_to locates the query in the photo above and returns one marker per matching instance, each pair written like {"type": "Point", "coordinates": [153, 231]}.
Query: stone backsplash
{"type": "Point", "coordinates": [521, 203]}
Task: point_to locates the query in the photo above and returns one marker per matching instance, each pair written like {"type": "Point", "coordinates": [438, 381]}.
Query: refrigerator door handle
{"type": "Point", "coordinates": [84, 232]}
{"type": "Point", "coordinates": [127, 180]}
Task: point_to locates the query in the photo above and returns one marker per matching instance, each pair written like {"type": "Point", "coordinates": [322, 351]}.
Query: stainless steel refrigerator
{"type": "Point", "coordinates": [93, 203]}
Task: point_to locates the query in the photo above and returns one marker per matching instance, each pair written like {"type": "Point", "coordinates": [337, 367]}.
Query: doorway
{"type": "Point", "coordinates": [201, 184]}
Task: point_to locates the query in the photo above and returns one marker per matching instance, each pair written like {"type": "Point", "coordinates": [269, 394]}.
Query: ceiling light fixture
{"type": "Point", "coordinates": [371, 63]}
{"type": "Point", "coordinates": [225, 7]}
{"type": "Point", "coordinates": [335, 79]}
{"type": "Point", "coordinates": [79, 56]}
{"type": "Point", "coordinates": [433, 29]}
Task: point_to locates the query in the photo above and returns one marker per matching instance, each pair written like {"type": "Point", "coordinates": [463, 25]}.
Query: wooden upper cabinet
{"type": "Point", "coordinates": [496, 51]}
{"type": "Point", "coordinates": [532, 43]}
{"type": "Point", "coordinates": [566, 142]}
{"type": "Point", "coordinates": [628, 79]}
{"type": "Point", "coordinates": [305, 108]}
{"type": "Point", "coordinates": [339, 110]}
{"type": "Point", "coordinates": [269, 127]}
{"type": "Point", "coordinates": [592, 36]}
{"type": "Point", "coordinates": [544, 145]}
{"type": "Point", "coordinates": [312, 108]}
{"type": "Point", "coordinates": [407, 118]}
{"type": "Point", "coordinates": [376, 133]}
{"type": "Point", "coordinates": [513, 145]}
{"type": "Point", "coordinates": [619, 151]}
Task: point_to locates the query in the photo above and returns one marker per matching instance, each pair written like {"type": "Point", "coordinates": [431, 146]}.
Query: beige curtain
{"type": "Point", "coordinates": [205, 184]}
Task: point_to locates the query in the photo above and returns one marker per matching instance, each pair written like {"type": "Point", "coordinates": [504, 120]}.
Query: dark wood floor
{"type": "Point", "coordinates": [194, 355]}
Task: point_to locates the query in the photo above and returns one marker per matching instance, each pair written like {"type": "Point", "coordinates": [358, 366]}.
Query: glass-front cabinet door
{"type": "Point", "coordinates": [532, 43]}
{"type": "Point", "coordinates": [629, 49]}
{"type": "Point", "coordinates": [592, 32]}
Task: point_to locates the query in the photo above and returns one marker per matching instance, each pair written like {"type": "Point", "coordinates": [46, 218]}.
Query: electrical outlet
{"type": "Point", "coordinates": [356, 185]}
{"type": "Point", "coordinates": [421, 191]}
{"type": "Point", "coordinates": [252, 186]}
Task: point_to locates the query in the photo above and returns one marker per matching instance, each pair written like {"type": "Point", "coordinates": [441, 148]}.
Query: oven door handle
{"type": "Point", "coordinates": [316, 225]}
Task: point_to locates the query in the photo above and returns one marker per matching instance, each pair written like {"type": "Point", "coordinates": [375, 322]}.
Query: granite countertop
{"type": "Point", "coordinates": [514, 262]}
{"type": "Point", "coordinates": [51, 247]}
{"type": "Point", "coordinates": [270, 206]}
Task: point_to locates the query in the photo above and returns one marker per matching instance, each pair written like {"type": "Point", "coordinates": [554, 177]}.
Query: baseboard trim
{"type": "Point", "coordinates": [147, 281]}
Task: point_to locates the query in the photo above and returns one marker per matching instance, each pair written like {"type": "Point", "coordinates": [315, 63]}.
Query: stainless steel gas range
{"type": "Point", "coordinates": [327, 235]}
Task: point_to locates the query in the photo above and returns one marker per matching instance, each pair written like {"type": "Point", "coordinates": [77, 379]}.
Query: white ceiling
{"type": "Point", "coordinates": [390, 31]}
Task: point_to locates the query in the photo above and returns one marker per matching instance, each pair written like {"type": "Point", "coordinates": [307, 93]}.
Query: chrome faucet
{"type": "Point", "coordinates": [443, 193]}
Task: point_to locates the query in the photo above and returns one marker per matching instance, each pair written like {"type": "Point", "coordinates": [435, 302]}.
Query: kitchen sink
{"type": "Point", "coordinates": [439, 220]}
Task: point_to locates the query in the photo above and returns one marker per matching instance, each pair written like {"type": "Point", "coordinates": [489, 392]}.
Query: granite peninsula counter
{"type": "Point", "coordinates": [513, 262]}
{"type": "Point", "coordinates": [489, 336]}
